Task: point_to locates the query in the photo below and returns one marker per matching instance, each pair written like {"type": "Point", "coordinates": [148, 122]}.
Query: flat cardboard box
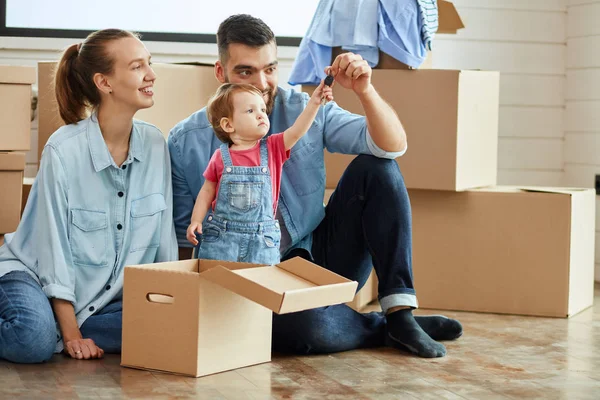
{"type": "Point", "coordinates": [449, 22]}
{"type": "Point", "coordinates": [179, 91]}
{"type": "Point", "coordinates": [12, 166]}
{"type": "Point", "coordinates": [451, 122]}
{"type": "Point", "coordinates": [368, 293]}
{"type": "Point", "coordinates": [508, 250]}
{"type": "Point", "coordinates": [15, 107]}
{"type": "Point", "coordinates": [200, 317]}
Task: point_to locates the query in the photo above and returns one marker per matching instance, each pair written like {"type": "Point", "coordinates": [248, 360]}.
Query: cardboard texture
{"type": "Point", "coordinates": [12, 166]}
{"type": "Point", "coordinates": [179, 91]}
{"type": "Point", "coordinates": [509, 250]}
{"type": "Point", "coordinates": [451, 122]}
{"type": "Point", "coordinates": [200, 317]}
{"type": "Point", "coordinates": [449, 22]}
{"type": "Point", "coordinates": [368, 293]}
{"type": "Point", "coordinates": [15, 107]}
{"type": "Point", "coordinates": [27, 184]}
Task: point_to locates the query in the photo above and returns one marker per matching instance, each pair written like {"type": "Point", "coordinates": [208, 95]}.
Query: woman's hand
{"type": "Point", "coordinates": [83, 349]}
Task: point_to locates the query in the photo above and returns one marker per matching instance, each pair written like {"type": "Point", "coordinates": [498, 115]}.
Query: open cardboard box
{"type": "Point", "coordinates": [449, 22]}
{"type": "Point", "coordinates": [504, 249]}
{"type": "Point", "coordinates": [200, 317]}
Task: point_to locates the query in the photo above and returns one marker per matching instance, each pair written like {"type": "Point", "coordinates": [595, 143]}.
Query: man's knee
{"type": "Point", "coordinates": [29, 338]}
{"type": "Point", "coordinates": [385, 173]}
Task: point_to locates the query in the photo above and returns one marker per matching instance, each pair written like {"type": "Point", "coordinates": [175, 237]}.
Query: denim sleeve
{"type": "Point", "coordinates": [183, 200]}
{"type": "Point", "coordinates": [55, 264]}
{"type": "Point", "coordinates": [344, 132]}
{"type": "Point", "coordinates": [167, 250]}
{"type": "Point", "coordinates": [347, 133]}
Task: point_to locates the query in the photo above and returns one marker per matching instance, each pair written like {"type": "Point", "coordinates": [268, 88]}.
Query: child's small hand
{"type": "Point", "coordinates": [191, 232]}
{"type": "Point", "coordinates": [322, 93]}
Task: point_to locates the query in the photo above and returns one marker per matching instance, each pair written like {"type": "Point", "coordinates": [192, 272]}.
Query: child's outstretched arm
{"type": "Point", "coordinates": [203, 203]}
{"type": "Point", "coordinates": [306, 118]}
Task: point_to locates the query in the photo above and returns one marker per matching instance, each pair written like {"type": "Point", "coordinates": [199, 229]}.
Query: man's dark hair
{"type": "Point", "coordinates": [244, 29]}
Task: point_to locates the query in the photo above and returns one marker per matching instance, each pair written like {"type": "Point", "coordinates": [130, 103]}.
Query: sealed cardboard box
{"type": "Point", "coordinates": [27, 184]}
{"type": "Point", "coordinates": [12, 166]}
{"type": "Point", "coordinates": [508, 250]}
{"type": "Point", "coordinates": [200, 317]}
{"type": "Point", "coordinates": [449, 22]}
{"type": "Point", "coordinates": [179, 91]}
{"type": "Point", "coordinates": [451, 122]}
{"type": "Point", "coordinates": [15, 107]}
{"type": "Point", "coordinates": [366, 295]}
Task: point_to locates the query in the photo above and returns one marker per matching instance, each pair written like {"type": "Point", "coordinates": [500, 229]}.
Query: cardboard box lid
{"type": "Point", "coordinates": [449, 20]}
{"type": "Point", "coordinates": [293, 285]}
{"type": "Point", "coordinates": [12, 161]}
{"type": "Point", "coordinates": [17, 74]}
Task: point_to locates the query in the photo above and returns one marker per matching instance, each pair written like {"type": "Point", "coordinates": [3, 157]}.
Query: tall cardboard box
{"type": "Point", "coordinates": [15, 107]}
{"type": "Point", "coordinates": [200, 317]}
{"type": "Point", "coordinates": [508, 250]}
{"type": "Point", "coordinates": [179, 91]}
{"type": "Point", "coordinates": [451, 122]}
{"type": "Point", "coordinates": [12, 166]}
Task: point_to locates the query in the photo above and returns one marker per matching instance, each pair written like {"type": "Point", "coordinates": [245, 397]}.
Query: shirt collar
{"type": "Point", "coordinates": [101, 157]}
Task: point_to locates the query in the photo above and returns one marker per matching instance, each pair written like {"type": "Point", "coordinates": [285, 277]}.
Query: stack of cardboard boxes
{"type": "Point", "coordinates": [478, 246]}
{"type": "Point", "coordinates": [15, 131]}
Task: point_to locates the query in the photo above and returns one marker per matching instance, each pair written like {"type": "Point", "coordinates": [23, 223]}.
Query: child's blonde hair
{"type": "Point", "coordinates": [221, 105]}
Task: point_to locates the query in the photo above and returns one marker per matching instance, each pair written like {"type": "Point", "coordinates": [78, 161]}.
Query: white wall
{"type": "Point", "coordinates": [525, 41]}
{"type": "Point", "coordinates": [582, 127]}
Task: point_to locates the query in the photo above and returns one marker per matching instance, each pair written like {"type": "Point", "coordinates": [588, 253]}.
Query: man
{"type": "Point", "coordinates": [367, 221]}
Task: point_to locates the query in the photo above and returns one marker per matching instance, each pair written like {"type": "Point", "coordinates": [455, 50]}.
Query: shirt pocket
{"type": "Point", "coordinates": [305, 168]}
{"type": "Point", "coordinates": [146, 218]}
{"type": "Point", "coordinates": [89, 237]}
{"type": "Point", "coordinates": [244, 196]}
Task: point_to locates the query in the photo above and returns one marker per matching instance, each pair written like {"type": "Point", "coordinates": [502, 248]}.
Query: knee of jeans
{"type": "Point", "coordinates": [32, 342]}
{"type": "Point", "coordinates": [383, 171]}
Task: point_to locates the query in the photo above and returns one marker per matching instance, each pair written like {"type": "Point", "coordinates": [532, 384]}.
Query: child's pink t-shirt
{"type": "Point", "coordinates": [251, 158]}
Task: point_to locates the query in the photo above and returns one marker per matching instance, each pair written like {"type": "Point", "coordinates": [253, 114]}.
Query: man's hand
{"type": "Point", "coordinates": [352, 72]}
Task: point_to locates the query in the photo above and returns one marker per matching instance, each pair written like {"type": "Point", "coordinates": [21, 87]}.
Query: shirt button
{"type": "Point", "coordinates": [124, 166]}
{"type": "Point", "coordinates": [228, 169]}
{"type": "Point", "coordinates": [264, 170]}
{"type": "Point", "coordinates": [107, 287]}
{"type": "Point", "coordinates": [120, 194]}
{"type": "Point", "coordinates": [119, 226]}
{"type": "Point", "coordinates": [92, 308]}
{"type": "Point", "coordinates": [210, 218]}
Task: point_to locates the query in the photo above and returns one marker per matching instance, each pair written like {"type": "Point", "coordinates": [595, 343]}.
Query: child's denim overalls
{"type": "Point", "coordinates": [242, 227]}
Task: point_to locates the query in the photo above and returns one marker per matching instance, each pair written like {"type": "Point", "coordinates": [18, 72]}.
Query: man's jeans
{"type": "Point", "coordinates": [367, 223]}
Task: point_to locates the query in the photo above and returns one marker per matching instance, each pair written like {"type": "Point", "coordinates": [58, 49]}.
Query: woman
{"type": "Point", "coordinates": [101, 200]}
